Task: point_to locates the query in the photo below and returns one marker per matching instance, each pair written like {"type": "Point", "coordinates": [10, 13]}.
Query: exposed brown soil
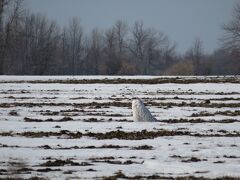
{"type": "Point", "coordinates": [47, 170]}
{"type": "Point", "coordinates": [219, 162]}
{"type": "Point", "coordinates": [110, 160]}
{"type": "Point", "coordinates": [64, 119]}
{"type": "Point", "coordinates": [13, 113]}
{"type": "Point", "coordinates": [144, 147]}
{"type": "Point", "coordinates": [188, 159]}
{"type": "Point", "coordinates": [144, 134]}
{"type": "Point", "coordinates": [181, 120]}
{"type": "Point", "coordinates": [121, 175]}
{"type": "Point", "coordinates": [136, 81]}
{"type": "Point", "coordinates": [50, 113]}
{"type": "Point", "coordinates": [110, 146]}
{"type": "Point", "coordinates": [59, 162]}
{"type": "Point", "coordinates": [223, 113]}
{"type": "Point", "coordinates": [123, 104]}
{"type": "Point", "coordinates": [7, 146]}
{"type": "Point", "coordinates": [171, 121]}
{"type": "Point", "coordinates": [232, 157]}
{"type": "Point", "coordinates": [193, 159]}
{"type": "Point", "coordinates": [136, 135]}
{"type": "Point", "coordinates": [102, 158]}
{"type": "Point", "coordinates": [65, 133]}
{"type": "Point", "coordinates": [25, 98]}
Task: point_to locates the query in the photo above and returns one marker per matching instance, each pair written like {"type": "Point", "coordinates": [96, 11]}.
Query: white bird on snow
{"type": "Point", "coordinates": [140, 112]}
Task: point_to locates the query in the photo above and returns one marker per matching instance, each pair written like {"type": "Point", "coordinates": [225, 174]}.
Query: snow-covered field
{"type": "Point", "coordinates": [66, 129]}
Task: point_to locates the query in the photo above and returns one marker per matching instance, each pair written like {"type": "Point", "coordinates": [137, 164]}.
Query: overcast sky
{"type": "Point", "coordinates": [181, 20]}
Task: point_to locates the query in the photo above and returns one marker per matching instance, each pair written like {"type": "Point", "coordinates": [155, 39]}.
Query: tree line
{"type": "Point", "coordinates": [31, 44]}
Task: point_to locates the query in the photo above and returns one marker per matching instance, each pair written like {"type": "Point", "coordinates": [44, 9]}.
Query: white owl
{"type": "Point", "coordinates": [140, 112]}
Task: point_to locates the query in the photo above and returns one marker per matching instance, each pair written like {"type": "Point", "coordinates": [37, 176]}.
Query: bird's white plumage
{"type": "Point", "coordinates": [140, 112]}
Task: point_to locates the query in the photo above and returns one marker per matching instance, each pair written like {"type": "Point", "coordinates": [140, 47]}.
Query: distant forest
{"type": "Point", "coordinates": [31, 44]}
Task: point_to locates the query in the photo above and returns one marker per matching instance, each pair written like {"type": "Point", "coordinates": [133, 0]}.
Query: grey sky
{"type": "Point", "coordinates": [181, 20]}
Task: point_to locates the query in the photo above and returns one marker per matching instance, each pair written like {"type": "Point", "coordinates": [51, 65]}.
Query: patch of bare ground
{"type": "Point", "coordinates": [50, 113]}
{"type": "Point", "coordinates": [123, 104]}
{"type": "Point", "coordinates": [190, 92]}
{"type": "Point", "coordinates": [219, 162]}
{"type": "Point", "coordinates": [59, 162]}
{"type": "Point", "coordinates": [19, 178]}
{"type": "Point", "coordinates": [181, 120]}
{"type": "Point", "coordinates": [225, 99]}
{"type": "Point", "coordinates": [143, 147]}
{"type": "Point", "coordinates": [122, 120]}
{"type": "Point", "coordinates": [7, 146]}
{"type": "Point", "coordinates": [179, 98]}
{"type": "Point", "coordinates": [188, 159]}
{"type": "Point", "coordinates": [105, 146]}
{"type": "Point", "coordinates": [110, 146]}
{"type": "Point", "coordinates": [91, 170]}
{"type": "Point", "coordinates": [231, 156]}
{"type": "Point", "coordinates": [101, 158]}
{"type": "Point", "coordinates": [16, 169]}
{"type": "Point", "coordinates": [13, 113]}
{"type": "Point", "coordinates": [64, 119]}
{"type": "Point", "coordinates": [47, 170]}
{"type": "Point", "coordinates": [111, 160]}
{"type": "Point", "coordinates": [25, 98]}
{"type": "Point", "coordinates": [121, 175]}
{"type": "Point", "coordinates": [170, 121]}
{"type": "Point", "coordinates": [93, 120]}
{"type": "Point", "coordinates": [67, 118]}
{"type": "Point", "coordinates": [78, 98]}
{"type": "Point", "coordinates": [135, 135]}
{"type": "Point", "coordinates": [162, 80]}
{"type": "Point", "coordinates": [62, 133]}
{"type": "Point", "coordinates": [223, 113]}
{"type": "Point", "coordinates": [144, 134]}
{"type": "Point", "coordinates": [193, 159]}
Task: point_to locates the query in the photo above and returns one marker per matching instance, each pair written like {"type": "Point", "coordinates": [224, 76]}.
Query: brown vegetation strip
{"type": "Point", "coordinates": [135, 81]}
{"type": "Point", "coordinates": [136, 135]}
{"type": "Point", "coordinates": [59, 162]}
{"type": "Point", "coordinates": [85, 147]}
{"type": "Point", "coordinates": [121, 175]}
{"type": "Point", "coordinates": [110, 146]}
{"type": "Point", "coordinates": [111, 160]}
{"type": "Point", "coordinates": [181, 120]}
{"type": "Point", "coordinates": [170, 121]}
{"type": "Point", "coordinates": [123, 104]}
{"type": "Point", "coordinates": [223, 113]}
{"type": "Point", "coordinates": [64, 119]}
{"type": "Point", "coordinates": [144, 134]}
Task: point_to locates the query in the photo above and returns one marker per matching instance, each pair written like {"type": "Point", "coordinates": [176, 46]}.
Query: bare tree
{"type": "Point", "coordinates": [3, 4]}
{"type": "Point", "coordinates": [137, 44]}
{"type": "Point", "coordinates": [147, 46]}
{"type": "Point", "coordinates": [115, 45]}
{"type": "Point", "coordinates": [121, 30]}
{"type": "Point", "coordinates": [111, 60]}
{"type": "Point", "coordinates": [9, 33]}
{"type": "Point", "coordinates": [40, 43]}
{"type": "Point", "coordinates": [75, 35]}
{"type": "Point", "coordinates": [231, 38]}
{"type": "Point", "coordinates": [94, 52]}
{"type": "Point", "coordinates": [157, 45]}
{"type": "Point", "coordinates": [195, 54]}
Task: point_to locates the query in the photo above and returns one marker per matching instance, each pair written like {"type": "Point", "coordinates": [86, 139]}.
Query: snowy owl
{"type": "Point", "coordinates": [140, 112]}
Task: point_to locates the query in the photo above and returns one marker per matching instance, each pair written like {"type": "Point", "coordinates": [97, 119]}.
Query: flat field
{"type": "Point", "coordinates": [81, 127]}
